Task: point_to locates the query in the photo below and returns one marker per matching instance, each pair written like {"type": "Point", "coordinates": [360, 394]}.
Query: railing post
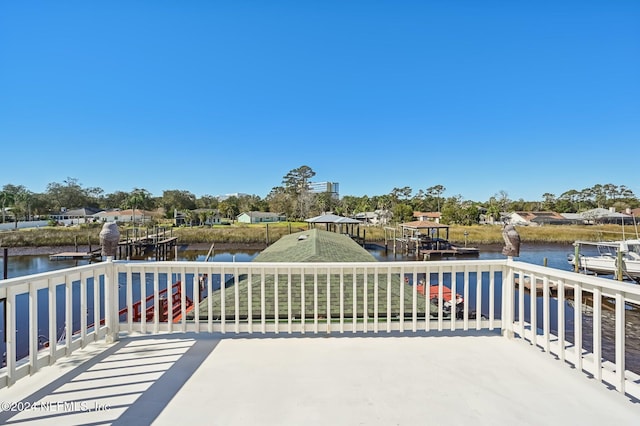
{"type": "Point", "coordinates": [507, 301]}
{"type": "Point", "coordinates": [111, 301]}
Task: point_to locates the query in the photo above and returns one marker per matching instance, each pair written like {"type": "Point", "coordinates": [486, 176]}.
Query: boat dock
{"type": "Point", "coordinates": [76, 255]}
{"type": "Point", "coordinates": [424, 239]}
{"type": "Point", "coordinates": [134, 244]}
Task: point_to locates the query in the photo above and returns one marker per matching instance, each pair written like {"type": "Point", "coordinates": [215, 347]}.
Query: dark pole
{"type": "Point", "coordinates": [5, 263]}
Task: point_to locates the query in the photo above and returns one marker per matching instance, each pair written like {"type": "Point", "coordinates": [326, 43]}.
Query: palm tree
{"type": "Point", "coordinates": [137, 198]}
{"type": "Point", "coordinates": [6, 199]}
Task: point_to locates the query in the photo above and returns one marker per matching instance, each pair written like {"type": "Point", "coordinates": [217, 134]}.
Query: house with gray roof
{"type": "Point", "coordinates": [600, 215]}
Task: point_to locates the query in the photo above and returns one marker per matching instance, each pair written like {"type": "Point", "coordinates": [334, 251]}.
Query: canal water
{"type": "Point", "coordinates": [551, 255]}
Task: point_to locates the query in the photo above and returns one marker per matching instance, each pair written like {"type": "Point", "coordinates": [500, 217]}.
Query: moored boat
{"type": "Point", "coordinates": [617, 258]}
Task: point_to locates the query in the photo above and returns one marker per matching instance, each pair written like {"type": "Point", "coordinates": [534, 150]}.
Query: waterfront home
{"type": "Point", "coordinates": [75, 216]}
{"type": "Point", "coordinates": [427, 216]}
{"type": "Point", "coordinates": [260, 217]}
{"type": "Point", "coordinates": [600, 215]}
{"type": "Point", "coordinates": [125, 216]}
{"type": "Point", "coordinates": [522, 218]}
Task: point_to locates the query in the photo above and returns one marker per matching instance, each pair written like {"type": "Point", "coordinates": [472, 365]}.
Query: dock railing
{"type": "Point", "coordinates": [582, 320]}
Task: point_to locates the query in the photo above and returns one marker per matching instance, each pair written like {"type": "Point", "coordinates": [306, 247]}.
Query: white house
{"type": "Point", "coordinates": [427, 216]}
{"type": "Point", "coordinates": [260, 217]}
{"type": "Point", "coordinates": [124, 216]}
{"type": "Point", "coordinates": [211, 216]}
{"type": "Point", "coordinates": [378, 217]}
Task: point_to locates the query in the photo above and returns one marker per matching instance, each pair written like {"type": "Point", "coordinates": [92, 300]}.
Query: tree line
{"type": "Point", "coordinates": [294, 199]}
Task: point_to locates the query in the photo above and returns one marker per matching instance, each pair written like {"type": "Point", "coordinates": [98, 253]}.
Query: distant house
{"type": "Point", "coordinates": [124, 216]}
{"type": "Point", "coordinates": [211, 216]}
{"type": "Point", "coordinates": [600, 215]}
{"type": "Point", "coordinates": [75, 216]}
{"type": "Point", "coordinates": [377, 217]}
{"type": "Point", "coordinates": [427, 216]}
{"type": "Point", "coordinates": [536, 218]}
{"type": "Point", "coordinates": [260, 217]}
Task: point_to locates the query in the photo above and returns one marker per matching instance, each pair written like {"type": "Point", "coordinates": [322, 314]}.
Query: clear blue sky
{"type": "Point", "coordinates": [216, 97]}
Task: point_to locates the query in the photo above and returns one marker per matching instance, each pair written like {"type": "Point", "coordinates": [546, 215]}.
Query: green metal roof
{"type": "Point", "coordinates": [330, 286]}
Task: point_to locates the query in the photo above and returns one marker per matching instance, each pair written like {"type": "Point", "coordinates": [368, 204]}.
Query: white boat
{"type": "Point", "coordinates": [607, 259]}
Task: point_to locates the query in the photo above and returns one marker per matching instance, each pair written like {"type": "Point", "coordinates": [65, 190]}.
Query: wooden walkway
{"type": "Point", "coordinates": [76, 255]}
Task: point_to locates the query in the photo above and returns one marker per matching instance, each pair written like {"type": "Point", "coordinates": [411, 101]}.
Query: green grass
{"type": "Point", "coordinates": [257, 234]}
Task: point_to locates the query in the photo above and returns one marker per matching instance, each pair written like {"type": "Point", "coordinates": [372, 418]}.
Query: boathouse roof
{"type": "Point", "coordinates": [421, 224]}
{"type": "Point", "coordinates": [315, 245]}
{"type": "Point", "coordinates": [312, 246]}
{"type": "Point", "coordinates": [332, 218]}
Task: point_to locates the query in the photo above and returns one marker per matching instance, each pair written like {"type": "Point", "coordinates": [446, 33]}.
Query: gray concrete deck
{"type": "Point", "coordinates": [178, 379]}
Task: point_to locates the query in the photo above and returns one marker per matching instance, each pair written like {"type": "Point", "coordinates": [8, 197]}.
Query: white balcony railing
{"type": "Point", "coordinates": [48, 316]}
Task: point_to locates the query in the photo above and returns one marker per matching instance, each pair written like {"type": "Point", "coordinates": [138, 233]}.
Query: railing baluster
{"type": "Point", "coordinates": [597, 333]}
{"type": "Point", "coordinates": [577, 326]}
{"type": "Point", "coordinates": [96, 306]}
{"type": "Point", "coordinates": [33, 329]}
{"type": "Point", "coordinates": [365, 300]}
{"type": "Point", "coordinates": [440, 299]}
{"type": "Point", "coordinates": [533, 308]}
{"type": "Point", "coordinates": [620, 342]}
{"type": "Point", "coordinates": [521, 319]}
{"type": "Point", "coordinates": [341, 300]}
{"type": "Point", "coordinates": [156, 301]}
{"type": "Point", "coordinates": [143, 301]}
{"type": "Point", "coordinates": [478, 298]}
{"type": "Point", "coordinates": [263, 304]}
{"type": "Point", "coordinates": [276, 299]}
{"type": "Point", "coordinates": [354, 307]}
{"type": "Point", "coordinates": [53, 319]}
{"type": "Point", "coordinates": [223, 301]}
{"type": "Point", "coordinates": [303, 302]}
{"type": "Point", "coordinates": [465, 298]}
{"type": "Point", "coordinates": [289, 304]}
{"type": "Point", "coordinates": [328, 300]}
{"type": "Point", "coordinates": [561, 320]}
{"type": "Point", "coordinates": [388, 300]}
{"type": "Point", "coordinates": [546, 313]}
{"type": "Point", "coordinates": [209, 284]}
{"type": "Point", "coordinates": [376, 284]}
{"type": "Point", "coordinates": [315, 300]}
{"type": "Point", "coordinates": [454, 306]}
{"type": "Point", "coordinates": [68, 315]}
{"type": "Point", "coordinates": [250, 301]}
{"type": "Point", "coordinates": [401, 307]}
{"type": "Point", "coordinates": [236, 287]}
{"type": "Point", "coordinates": [414, 302]}
{"type": "Point", "coordinates": [492, 297]}
{"type": "Point", "coordinates": [129, 300]}
{"type": "Point", "coordinates": [10, 347]}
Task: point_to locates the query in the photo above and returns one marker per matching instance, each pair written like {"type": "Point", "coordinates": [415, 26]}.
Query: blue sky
{"type": "Point", "coordinates": [217, 97]}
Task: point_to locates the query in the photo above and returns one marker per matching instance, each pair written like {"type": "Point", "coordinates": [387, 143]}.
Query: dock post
{"type": "Point", "coordinates": [5, 263]}
{"type": "Point", "coordinates": [619, 266]}
{"type": "Point", "coordinates": [576, 266]}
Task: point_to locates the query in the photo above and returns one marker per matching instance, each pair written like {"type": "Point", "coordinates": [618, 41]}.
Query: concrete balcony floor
{"type": "Point", "coordinates": [383, 379]}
